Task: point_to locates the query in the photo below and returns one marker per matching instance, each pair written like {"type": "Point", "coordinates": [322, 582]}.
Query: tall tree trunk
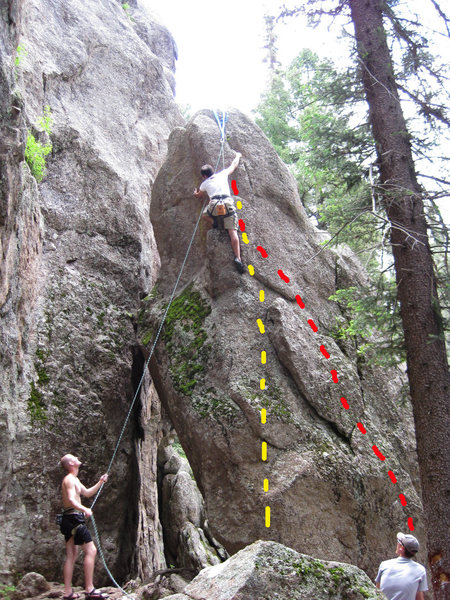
{"type": "Point", "coordinates": [416, 284]}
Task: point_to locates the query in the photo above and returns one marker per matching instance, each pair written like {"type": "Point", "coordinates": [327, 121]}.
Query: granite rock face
{"type": "Point", "coordinates": [329, 494]}
{"type": "Point", "coordinates": [81, 252]}
{"type": "Point", "coordinates": [269, 571]}
{"type": "Point", "coordinates": [78, 253]}
{"type": "Point", "coordinates": [183, 516]}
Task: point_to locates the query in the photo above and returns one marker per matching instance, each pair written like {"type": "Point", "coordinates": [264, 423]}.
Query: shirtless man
{"type": "Point", "coordinates": [73, 526]}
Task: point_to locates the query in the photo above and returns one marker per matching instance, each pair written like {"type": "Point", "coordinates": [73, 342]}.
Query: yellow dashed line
{"type": "Point", "coordinates": [239, 204]}
{"type": "Point", "coordinates": [264, 451]}
{"type": "Point", "coordinates": [245, 238]}
{"type": "Point", "coordinates": [263, 415]}
{"type": "Point", "coordinates": [251, 270]}
{"type": "Point", "coordinates": [263, 357]}
{"type": "Point", "coordinates": [261, 295]}
{"type": "Point", "coordinates": [267, 516]}
{"type": "Point", "coordinates": [266, 485]}
{"type": "Point", "coordinates": [260, 325]}
{"type": "Point", "coordinates": [262, 383]}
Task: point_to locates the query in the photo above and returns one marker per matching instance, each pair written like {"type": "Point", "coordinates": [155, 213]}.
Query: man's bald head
{"type": "Point", "coordinates": [68, 461]}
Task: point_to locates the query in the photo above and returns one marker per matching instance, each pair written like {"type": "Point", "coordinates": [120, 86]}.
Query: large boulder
{"type": "Point", "coordinates": [267, 570]}
{"type": "Point", "coordinates": [78, 253]}
{"type": "Point", "coordinates": [329, 493]}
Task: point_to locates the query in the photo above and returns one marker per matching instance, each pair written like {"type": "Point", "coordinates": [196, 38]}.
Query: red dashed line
{"type": "Point", "coordinates": [312, 325]}
{"type": "Point", "coordinates": [333, 372]}
{"type": "Point", "coordinates": [283, 276]}
{"type": "Point", "coordinates": [392, 477]}
{"type": "Point", "coordinates": [345, 403]}
{"type": "Point", "coordinates": [262, 251]}
{"type": "Point", "coordinates": [378, 453]}
{"type": "Point", "coordinates": [234, 187]}
{"type": "Point", "coordinates": [325, 353]}
{"type": "Point", "coordinates": [300, 301]}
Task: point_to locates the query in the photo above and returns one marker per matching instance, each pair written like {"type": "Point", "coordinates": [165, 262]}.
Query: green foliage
{"type": "Point", "coordinates": [371, 322]}
{"type": "Point", "coordinates": [315, 117]}
{"type": "Point", "coordinates": [179, 448]}
{"type": "Point", "coordinates": [126, 8]}
{"type": "Point", "coordinates": [35, 151]}
{"type": "Point", "coordinates": [186, 111]}
{"type": "Point", "coordinates": [36, 406]}
{"type": "Point", "coordinates": [147, 337]}
{"type": "Point", "coordinates": [46, 121]}
{"type": "Point", "coordinates": [365, 593]}
{"type": "Point", "coordinates": [21, 54]}
{"type": "Point", "coordinates": [7, 591]}
{"type": "Point", "coordinates": [310, 568]}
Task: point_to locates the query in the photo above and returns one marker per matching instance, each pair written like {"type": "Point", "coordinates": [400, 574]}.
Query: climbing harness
{"type": "Point", "coordinates": [221, 121]}
{"type": "Point", "coordinates": [220, 211]}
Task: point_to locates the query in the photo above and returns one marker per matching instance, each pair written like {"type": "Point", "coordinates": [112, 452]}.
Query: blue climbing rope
{"type": "Point", "coordinates": [136, 395]}
{"type": "Point", "coordinates": [221, 122]}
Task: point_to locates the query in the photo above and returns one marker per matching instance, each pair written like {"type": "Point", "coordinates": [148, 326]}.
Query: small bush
{"type": "Point", "coordinates": [35, 151]}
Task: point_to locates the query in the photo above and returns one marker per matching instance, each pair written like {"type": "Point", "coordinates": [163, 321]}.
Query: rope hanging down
{"type": "Point", "coordinates": [221, 123]}
{"type": "Point", "coordinates": [127, 418]}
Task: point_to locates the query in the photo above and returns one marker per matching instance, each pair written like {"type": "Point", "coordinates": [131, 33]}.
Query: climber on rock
{"type": "Point", "coordinates": [73, 526]}
{"type": "Point", "coordinates": [221, 205]}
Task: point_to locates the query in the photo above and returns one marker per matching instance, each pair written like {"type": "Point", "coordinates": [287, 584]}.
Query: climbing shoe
{"type": "Point", "coordinates": [239, 266]}
{"type": "Point", "coordinates": [96, 595]}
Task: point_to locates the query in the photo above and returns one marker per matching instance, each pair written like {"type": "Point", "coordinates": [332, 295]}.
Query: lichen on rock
{"type": "Point", "coordinates": [271, 571]}
{"type": "Point", "coordinates": [318, 463]}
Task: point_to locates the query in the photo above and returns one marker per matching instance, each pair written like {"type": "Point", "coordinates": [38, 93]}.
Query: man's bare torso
{"type": "Point", "coordinates": [71, 486]}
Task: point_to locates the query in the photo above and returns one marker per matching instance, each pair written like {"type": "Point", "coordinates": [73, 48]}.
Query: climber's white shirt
{"type": "Point", "coordinates": [217, 184]}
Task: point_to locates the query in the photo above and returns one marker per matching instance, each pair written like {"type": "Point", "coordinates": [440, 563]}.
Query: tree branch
{"type": "Point", "coordinates": [443, 15]}
{"type": "Point", "coordinates": [426, 109]}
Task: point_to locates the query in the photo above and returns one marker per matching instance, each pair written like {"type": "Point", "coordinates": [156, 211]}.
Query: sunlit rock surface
{"type": "Point", "coordinates": [322, 473]}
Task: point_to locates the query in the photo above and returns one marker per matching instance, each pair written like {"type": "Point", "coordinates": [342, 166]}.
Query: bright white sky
{"type": "Point", "coordinates": [221, 49]}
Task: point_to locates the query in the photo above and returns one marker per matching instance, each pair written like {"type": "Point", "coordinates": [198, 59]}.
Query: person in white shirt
{"type": "Point", "coordinates": [401, 578]}
{"type": "Point", "coordinates": [216, 186]}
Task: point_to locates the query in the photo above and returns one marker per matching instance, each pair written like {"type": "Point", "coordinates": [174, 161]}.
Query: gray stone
{"type": "Point", "coordinates": [270, 571]}
{"type": "Point", "coordinates": [320, 467]}
{"type": "Point", "coordinates": [183, 519]}
{"type": "Point", "coordinates": [77, 254]}
{"type": "Point", "coordinates": [31, 584]}
{"type": "Point", "coordinates": [79, 251]}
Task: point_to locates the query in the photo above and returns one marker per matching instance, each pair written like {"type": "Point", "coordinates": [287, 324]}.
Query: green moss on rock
{"type": "Point", "coordinates": [213, 402]}
{"type": "Point", "coordinates": [36, 406]}
{"type": "Point", "coordinates": [185, 337]}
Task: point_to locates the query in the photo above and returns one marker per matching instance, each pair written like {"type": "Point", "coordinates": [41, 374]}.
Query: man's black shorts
{"type": "Point", "coordinates": [74, 524]}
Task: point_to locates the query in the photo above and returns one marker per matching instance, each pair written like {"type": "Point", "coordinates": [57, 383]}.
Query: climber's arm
{"type": "Point", "coordinates": [201, 194]}
{"type": "Point", "coordinates": [234, 164]}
